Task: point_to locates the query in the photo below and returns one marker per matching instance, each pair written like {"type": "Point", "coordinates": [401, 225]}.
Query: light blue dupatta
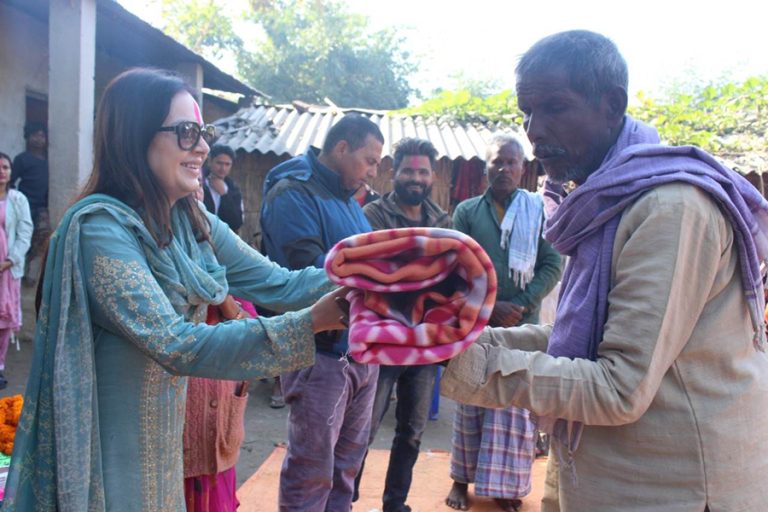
{"type": "Point", "coordinates": [56, 463]}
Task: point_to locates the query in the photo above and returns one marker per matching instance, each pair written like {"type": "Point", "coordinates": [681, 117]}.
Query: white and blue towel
{"type": "Point", "coordinates": [520, 229]}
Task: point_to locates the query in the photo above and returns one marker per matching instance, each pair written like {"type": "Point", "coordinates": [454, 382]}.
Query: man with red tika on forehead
{"type": "Point", "coordinates": [407, 206]}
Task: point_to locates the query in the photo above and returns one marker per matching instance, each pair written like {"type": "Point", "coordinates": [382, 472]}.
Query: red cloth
{"type": "Point", "coordinates": [468, 180]}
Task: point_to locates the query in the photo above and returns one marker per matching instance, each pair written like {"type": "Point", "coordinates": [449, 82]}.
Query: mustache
{"type": "Point", "coordinates": [499, 177]}
{"type": "Point", "coordinates": [414, 184]}
{"type": "Point", "coordinates": [548, 151]}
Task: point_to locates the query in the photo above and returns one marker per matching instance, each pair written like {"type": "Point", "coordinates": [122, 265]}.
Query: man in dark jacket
{"type": "Point", "coordinates": [407, 206]}
{"type": "Point", "coordinates": [30, 176]}
{"type": "Point", "coordinates": [309, 205]}
{"type": "Point", "coordinates": [222, 196]}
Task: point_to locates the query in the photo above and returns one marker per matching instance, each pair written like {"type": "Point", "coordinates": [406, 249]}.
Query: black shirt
{"type": "Point", "coordinates": [230, 207]}
{"type": "Point", "coordinates": [33, 175]}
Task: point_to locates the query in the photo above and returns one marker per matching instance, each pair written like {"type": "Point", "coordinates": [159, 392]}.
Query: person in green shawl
{"type": "Point", "coordinates": [129, 274]}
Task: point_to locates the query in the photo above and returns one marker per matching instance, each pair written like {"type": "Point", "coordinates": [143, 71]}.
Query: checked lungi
{"type": "Point", "coordinates": [494, 448]}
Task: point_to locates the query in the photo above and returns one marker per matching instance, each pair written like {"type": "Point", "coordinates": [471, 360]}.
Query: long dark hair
{"type": "Point", "coordinates": [132, 108]}
{"type": "Point", "coordinates": [3, 156]}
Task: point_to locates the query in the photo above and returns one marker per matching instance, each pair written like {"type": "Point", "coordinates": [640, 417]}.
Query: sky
{"type": "Point", "coordinates": [664, 42]}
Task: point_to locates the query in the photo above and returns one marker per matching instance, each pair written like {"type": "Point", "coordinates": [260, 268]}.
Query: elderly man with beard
{"type": "Point", "coordinates": [653, 379]}
{"type": "Point", "coordinates": [407, 206]}
{"type": "Point", "coordinates": [494, 448]}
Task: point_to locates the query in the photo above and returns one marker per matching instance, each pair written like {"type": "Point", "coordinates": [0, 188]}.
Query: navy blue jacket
{"type": "Point", "coordinates": [305, 211]}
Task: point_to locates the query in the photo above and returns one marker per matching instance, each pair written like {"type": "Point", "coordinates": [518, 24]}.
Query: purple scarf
{"type": "Point", "coordinates": [584, 228]}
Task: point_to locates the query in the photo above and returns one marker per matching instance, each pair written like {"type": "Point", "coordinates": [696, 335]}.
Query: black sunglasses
{"type": "Point", "coordinates": [188, 133]}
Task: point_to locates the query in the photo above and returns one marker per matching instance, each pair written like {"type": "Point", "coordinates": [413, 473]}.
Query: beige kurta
{"type": "Point", "coordinates": [676, 406]}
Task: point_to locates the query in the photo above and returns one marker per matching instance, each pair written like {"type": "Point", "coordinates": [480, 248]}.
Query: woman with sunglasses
{"type": "Point", "coordinates": [129, 274]}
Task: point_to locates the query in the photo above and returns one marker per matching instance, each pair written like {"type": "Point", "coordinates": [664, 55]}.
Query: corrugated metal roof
{"type": "Point", "coordinates": [291, 130]}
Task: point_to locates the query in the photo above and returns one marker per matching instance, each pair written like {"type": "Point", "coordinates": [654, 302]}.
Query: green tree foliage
{"type": "Point", "coordinates": [305, 50]}
{"type": "Point", "coordinates": [728, 120]}
{"type": "Point", "coordinates": [201, 25]}
{"type": "Point", "coordinates": [465, 107]}
{"type": "Point", "coordinates": [316, 49]}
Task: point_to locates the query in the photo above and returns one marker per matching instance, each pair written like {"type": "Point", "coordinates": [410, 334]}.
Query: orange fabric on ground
{"type": "Point", "coordinates": [431, 484]}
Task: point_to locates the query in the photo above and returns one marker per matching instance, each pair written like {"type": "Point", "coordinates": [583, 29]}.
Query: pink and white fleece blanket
{"type": "Point", "coordinates": [421, 295]}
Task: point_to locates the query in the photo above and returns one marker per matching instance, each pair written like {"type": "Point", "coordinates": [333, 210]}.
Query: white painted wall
{"type": "Point", "coordinates": [23, 67]}
{"type": "Point", "coordinates": [70, 120]}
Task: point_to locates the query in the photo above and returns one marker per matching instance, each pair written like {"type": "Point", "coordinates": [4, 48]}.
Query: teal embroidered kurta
{"type": "Point", "coordinates": [104, 409]}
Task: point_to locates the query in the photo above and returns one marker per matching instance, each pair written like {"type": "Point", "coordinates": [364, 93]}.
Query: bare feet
{"type": "Point", "coordinates": [458, 499]}
{"type": "Point", "coordinates": [509, 505]}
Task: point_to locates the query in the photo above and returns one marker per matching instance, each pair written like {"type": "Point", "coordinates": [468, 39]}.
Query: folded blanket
{"type": "Point", "coordinates": [421, 295]}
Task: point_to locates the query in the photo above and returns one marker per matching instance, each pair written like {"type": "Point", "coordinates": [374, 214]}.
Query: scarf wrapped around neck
{"type": "Point", "coordinates": [56, 463]}
{"type": "Point", "coordinates": [584, 228]}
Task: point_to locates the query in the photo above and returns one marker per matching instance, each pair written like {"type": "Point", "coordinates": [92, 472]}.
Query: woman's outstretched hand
{"type": "Point", "coordinates": [331, 312]}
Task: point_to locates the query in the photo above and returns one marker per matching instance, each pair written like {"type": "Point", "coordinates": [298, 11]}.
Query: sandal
{"type": "Point", "coordinates": [276, 402]}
